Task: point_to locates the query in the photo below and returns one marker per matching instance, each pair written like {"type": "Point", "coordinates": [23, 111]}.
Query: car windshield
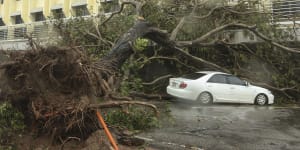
{"type": "Point", "coordinates": [193, 76]}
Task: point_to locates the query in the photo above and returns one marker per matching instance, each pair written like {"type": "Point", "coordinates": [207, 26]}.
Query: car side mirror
{"type": "Point", "coordinates": [246, 83]}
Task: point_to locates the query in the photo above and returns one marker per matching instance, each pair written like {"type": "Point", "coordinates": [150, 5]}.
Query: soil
{"type": "Point", "coordinates": [96, 141]}
{"type": "Point", "coordinates": [53, 87]}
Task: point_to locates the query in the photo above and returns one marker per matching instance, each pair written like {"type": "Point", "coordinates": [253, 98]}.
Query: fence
{"type": "Point", "coordinates": [19, 31]}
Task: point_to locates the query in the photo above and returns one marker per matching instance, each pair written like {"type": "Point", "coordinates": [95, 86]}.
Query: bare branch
{"type": "Point", "coordinates": [158, 79]}
{"type": "Point", "coordinates": [252, 29]}
{"type": "Point", "coordinates": [180, 24]}
{"type": "Point", "coordinates": [229, 9]}
{"type": "Point", "coordinates": [113, 96]}
{"type": "Point", "coordinates": [114, 13]}
{"type": "Point", "coordinates": [187, 54]}
{"type": "Point", "coordinates": [198, 44]}
{"type": "Point", "coordinates": [136, 4]}
{"type": "Point", "coordinates": [282, 90]}
{"type": "Point", "coordinates": [208, 14]}
{"type": "Point", "coordinates": [178, 27]}
{"type": "Point", "coordinates": [170, 58]}
{"type": "Point", "coordinates": [150, 96]}
{"type": "Point", "coordinates": [212, 32]}
{"type": "Point", "coordinates": [161, 37]}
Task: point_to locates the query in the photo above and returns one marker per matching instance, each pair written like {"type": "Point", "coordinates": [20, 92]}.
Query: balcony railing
{"type": "Point", "coordinates": [41, 30]}
{"type": "Point", "coordinates": [284, 10]}
{"type": "Point", "coordinates": [19, 32]}
{"type": "Point", "coordinates": [3, 33]}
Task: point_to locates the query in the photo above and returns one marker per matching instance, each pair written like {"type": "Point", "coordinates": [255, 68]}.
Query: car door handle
{"type": "Point", "coordinates": [232, 88]}
{"type": "Point", "coordinates": [209, 86]}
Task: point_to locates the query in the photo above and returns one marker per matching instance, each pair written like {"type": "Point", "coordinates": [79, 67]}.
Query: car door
{"type": "Point", "coordinates": [239, 91]}
{"type": "Point", "coordinates": [218, 87]}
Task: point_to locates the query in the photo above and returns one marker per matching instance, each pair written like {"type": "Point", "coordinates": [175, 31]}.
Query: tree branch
{"type": "Point", "coordinates": [170, 58]}
{"type": "Point", "coordinates": [161, 37]}
{"type": "Point", "coordinates": [158, 79]}
{"type": "Point", "coordinates": [180, 24]}
{"type": "Point", "coordinates": [210, 33]}
{"type": "Point", "coordinates": [136, 4]}
{"type": "Point", "coordinates": [252, 29]}
{"type": "Point", "coordinates": [227, 8]}
{"type": "Point", "coordinates": [187, 54]}
{"type": "Point", "coordinates": [282, 90]}
{"type": "Point", "coordinates": [150, 96]}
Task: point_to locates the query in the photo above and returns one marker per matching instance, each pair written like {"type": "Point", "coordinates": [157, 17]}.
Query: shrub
{"type": "Point", "coordinates": [133, 119]}
{"type": "Point", "coordinates": [11, 122]}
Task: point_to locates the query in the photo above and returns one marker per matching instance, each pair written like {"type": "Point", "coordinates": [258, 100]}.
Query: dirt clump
{"type": "Point", "coordinates": [54, 87]}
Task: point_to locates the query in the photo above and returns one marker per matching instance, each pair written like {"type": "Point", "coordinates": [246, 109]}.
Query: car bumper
{"type": "Point", "coordinates": [270, 98]}
{"type": "Point", "coordinates": [181, 93]}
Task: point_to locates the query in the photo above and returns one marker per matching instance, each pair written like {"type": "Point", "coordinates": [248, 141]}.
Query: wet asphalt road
{"type": "Point", "coordinates": [228, 127]}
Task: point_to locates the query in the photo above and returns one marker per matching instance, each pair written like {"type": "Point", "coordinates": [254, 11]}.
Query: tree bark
{"type": "Point", "coordinates": [124, 46]}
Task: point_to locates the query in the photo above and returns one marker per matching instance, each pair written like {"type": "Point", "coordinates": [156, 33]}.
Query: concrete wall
{"type": "Point", "coordinates": [14, 45]}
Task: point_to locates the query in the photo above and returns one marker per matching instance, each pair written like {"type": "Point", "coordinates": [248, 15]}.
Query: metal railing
{"type": "Point", "coordinates": [19, 31]}
{"type": "Point", "coordinates": [3, 33]}
{"type": "Point", "coordinates": [284, 10]}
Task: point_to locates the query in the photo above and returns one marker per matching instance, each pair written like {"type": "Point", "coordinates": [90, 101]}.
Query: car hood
{"type": "Point", "coordinates": [257, 88]}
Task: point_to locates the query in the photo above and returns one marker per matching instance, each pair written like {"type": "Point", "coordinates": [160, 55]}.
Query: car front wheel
{"type": "Point", "coordinates": [205, 98]}
{"type": "Point", "coordinates": [261, 99]}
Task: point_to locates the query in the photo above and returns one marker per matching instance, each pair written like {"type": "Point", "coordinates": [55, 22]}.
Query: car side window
{"type": "Point", "coordinates": [235, 80]}
{"type": "Point", "coordinates": [218, 78]}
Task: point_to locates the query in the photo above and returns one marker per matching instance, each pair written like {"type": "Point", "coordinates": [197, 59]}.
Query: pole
{"type": "Point", "coordinates": [107, 132]}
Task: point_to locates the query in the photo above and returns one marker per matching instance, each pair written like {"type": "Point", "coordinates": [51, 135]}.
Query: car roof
{"type": "Point", "coordinates": [212, 72]}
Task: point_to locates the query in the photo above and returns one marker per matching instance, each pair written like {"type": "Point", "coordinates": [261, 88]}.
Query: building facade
{"type": "Point", "coordinates": [20, 17]}
{"type": "Point", "coordinates": [284, 13]}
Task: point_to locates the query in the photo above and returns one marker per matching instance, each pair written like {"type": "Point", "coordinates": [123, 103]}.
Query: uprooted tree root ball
{"type": "Point", "coordinates": [55, 87]}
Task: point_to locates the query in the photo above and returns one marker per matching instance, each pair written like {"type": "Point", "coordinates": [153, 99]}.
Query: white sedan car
{"type": "Point", "coordinates": [210, 87]}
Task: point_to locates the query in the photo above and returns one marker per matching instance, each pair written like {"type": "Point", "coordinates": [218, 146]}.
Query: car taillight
{"type": "Point", "coordinates": [182, 85]}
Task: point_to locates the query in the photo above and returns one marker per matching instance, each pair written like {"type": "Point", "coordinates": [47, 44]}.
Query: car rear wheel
{"type": "Point", "coordinates": [205, 98]}
{"type": "Point", "coordinates": [261, 99]}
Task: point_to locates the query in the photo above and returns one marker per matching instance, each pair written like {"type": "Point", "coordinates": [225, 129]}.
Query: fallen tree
{"type": "Point", "coordinates": [57, 87]}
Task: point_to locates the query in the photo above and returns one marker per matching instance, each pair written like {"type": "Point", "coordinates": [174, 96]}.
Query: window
{"type": "Point", "coordinates": [2, 22]}
{"type": "Point", "coordinates": [58, 13]}
{"type": "Point", "coordinates": [193, 76]}
{"type": "Point", "coordinates": [110, 5]}
{"type": "Point", "coordinates": [81, 10]}
{"type": "Point", "coordinates": [38, 16]}
{"type": "Point", "coordinates": [17, 19]}
{"type": "Point", "coordinates": [235, 80]}
{"type": "Point", "coordinates": [218, 78]}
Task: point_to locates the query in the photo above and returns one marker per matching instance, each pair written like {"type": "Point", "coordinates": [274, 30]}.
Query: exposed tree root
{"type": "Point", "coordinates": [57, 87]}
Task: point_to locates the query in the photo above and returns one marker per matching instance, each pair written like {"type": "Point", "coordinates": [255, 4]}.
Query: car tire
{"type": "Point", "coordinates": [205, 98]}
{"type": "Point", "coordinates": [261, 99]}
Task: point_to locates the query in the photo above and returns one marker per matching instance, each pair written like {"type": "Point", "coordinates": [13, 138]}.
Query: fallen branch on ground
{"type": "Point", "coordinates": [150, 96]}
